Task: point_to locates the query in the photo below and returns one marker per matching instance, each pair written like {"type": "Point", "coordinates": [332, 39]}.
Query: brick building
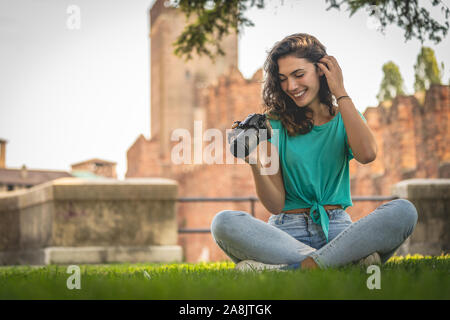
{"type": "Point", "coordinates": [95, 168]}
{"type": "Point", "coordinates": [412, 133]}
{"type": "Point", "coordinates": [23, 178]}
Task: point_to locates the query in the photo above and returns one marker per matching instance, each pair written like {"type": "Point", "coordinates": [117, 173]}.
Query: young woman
{"type": "Point", "coordinates": [315, 140]}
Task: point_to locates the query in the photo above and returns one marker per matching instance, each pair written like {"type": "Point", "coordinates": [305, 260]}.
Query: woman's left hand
{"type": "Point", "coordinates": [333, 74]}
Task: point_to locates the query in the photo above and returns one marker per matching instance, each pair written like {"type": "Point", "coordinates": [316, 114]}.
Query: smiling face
{"type": "Point", "coordinates": [299, 79]}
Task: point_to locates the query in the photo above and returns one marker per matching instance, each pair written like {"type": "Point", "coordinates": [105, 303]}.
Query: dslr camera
{"type": "Point", "coordinates": [246, 135]}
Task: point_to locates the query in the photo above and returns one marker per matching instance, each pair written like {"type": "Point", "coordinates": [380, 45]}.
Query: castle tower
{"type": "Point", "coordinates": [174, 82]}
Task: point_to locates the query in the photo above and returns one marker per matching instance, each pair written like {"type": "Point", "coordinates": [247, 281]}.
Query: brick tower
{"type": "Point", "coordinates": [174, 82]}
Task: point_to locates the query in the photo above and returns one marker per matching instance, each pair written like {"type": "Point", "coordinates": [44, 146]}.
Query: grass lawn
{"type": "Point", "coordinates": [410, 277]}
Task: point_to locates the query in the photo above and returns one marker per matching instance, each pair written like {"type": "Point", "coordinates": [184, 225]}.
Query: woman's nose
{"type": "Point", "coordinates": [292, 85]}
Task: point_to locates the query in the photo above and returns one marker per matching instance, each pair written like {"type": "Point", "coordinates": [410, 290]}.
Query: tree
{"type": "Point", "coordinates": [215, 18]}
{"type": "Point", "coordinates": [426, 70]}
{"type": "Point", "coordinates": [392, 84]}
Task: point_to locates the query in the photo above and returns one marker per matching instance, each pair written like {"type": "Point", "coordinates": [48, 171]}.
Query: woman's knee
{"type": "Point", "coordinates": [406, 213]}
{"type": "Point", "coordinates": [223, 222]}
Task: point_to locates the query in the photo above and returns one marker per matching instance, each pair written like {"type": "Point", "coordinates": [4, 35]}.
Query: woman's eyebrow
{"type": "Point", "coordinates": [280, 74]}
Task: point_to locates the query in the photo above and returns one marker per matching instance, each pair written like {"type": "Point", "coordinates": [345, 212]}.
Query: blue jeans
{"type": "Point", "coordinates": [290, 238]}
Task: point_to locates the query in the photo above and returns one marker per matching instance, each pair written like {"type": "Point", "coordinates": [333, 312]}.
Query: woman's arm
{"type": "Point", "coordinates": [360, 138]}
{"type": "Point", "coordinates": [269, 187]}
{"type": "Point", "coordinates": [269, 184]}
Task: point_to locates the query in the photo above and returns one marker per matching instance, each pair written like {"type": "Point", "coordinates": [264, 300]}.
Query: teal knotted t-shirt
{"type": "Point", "coordinates": [315, 167]}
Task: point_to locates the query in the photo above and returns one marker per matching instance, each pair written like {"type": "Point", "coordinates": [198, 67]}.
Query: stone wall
{"type": "Point", "coordinates": [432, 200]}
{"type": "Point", "coordinates": [412, 134]}
{"type": "Point", "coordinates": [71, 220]}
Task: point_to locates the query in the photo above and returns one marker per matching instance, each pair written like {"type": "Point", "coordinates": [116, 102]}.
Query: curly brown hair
{"type": "Point", "coordinates": [276, 103]}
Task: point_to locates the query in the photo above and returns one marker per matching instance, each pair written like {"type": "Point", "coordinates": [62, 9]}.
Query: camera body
{"type": "Point", "coordinates": [246, 135]}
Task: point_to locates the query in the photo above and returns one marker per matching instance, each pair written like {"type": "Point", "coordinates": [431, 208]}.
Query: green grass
{"type": "Point", "coordinates": [410, 277]}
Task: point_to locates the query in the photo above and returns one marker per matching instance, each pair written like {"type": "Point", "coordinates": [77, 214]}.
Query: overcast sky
{"type": "Point", "coordinates": [68, 95]}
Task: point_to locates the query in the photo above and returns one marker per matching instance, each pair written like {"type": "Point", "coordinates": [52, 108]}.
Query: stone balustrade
{"type": "Point", "coordinates": [432, 200]}
{"type": "Point", "coordinates": [75, 221]}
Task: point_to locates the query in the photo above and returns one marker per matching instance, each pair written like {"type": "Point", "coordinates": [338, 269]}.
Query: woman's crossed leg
{"type": "Point", "coordinates": [243, 237]}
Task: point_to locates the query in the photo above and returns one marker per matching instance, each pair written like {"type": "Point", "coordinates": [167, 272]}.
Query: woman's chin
{"type": "Point", "coordinates": [301, 105]}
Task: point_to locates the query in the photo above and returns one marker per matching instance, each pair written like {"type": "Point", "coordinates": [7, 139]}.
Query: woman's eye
{"type": "Point", "coordinates": [297, 76]}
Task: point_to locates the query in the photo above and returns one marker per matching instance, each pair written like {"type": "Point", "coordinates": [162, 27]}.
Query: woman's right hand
{"type": "Point", "coordinates": [254, 157]}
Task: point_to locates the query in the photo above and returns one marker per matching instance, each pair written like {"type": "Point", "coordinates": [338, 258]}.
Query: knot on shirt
{"type": "Point", "coordinates": [319, 216]}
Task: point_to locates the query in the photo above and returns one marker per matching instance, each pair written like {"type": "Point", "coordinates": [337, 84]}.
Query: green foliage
{"type": "Point", "coordinates": [426, 70]}
{"type": "Point", "coordinates": [392, 83]}
{"type": "Point", "coordinates": [410, 277]}
{"type": "Point", "coordinates": [408, 15]}
{"type": "Point", "coordinates": [214, 19]}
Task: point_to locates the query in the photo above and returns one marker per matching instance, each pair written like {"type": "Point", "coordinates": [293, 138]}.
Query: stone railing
{"type": "Point", "coordinates": [72, 220]}
{"type": "Point", "coordinates": [432, 200]}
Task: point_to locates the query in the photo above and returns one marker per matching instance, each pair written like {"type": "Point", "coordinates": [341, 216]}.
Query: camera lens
{"type": "Point", "coordinates": [245, 143]}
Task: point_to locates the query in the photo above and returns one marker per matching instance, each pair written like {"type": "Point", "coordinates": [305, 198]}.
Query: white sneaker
{"type": "Point", "coordinates": [373, 259]}
{"type": "Point", "coordinates": [251, 265]}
